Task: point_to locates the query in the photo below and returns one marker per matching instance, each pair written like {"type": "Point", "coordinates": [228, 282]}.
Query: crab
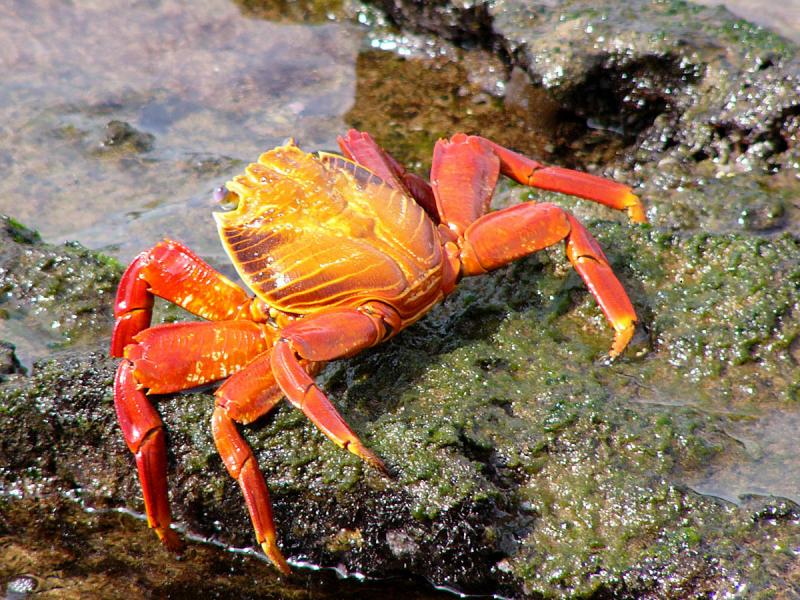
{"type": "Point", "coordinates": [341, 253]}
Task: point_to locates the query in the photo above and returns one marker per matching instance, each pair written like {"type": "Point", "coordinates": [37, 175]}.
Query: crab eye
{"type": "Point", "coordinates": [226, 199]}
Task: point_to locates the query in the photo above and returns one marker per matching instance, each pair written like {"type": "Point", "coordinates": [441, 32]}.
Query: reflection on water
{"type": "Point", "coordinates": [212, 87]}
{"type": "Point", "coordinates": [765, 465]}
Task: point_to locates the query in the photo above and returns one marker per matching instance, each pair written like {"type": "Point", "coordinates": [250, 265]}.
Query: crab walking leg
{"type": "Point", "coordinates": [463, 177]}
{"type": "Point", "coordinates": [144, 435]}
{"type": "Point", "coordinates": [165, 359]}
{"type": "Point", "coordinates": [328, 336]}
{"type": "Point", "coordinates": [243, 398]}
{"type": "Point", "coordinates": [567, 181]}
{"type": "Point", "coordinates": [177, 356]}
{"type": "Point", "coordinates": [511, 233]}
{"type": "Point", "coordinates": [242, 466]}
{"type": "Point", "coordinates": [361, 148]}
{"type": "Point", "coordinates": [172, 271]}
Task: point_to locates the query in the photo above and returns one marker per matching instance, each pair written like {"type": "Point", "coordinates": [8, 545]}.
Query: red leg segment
{"type": "Point", "coordinates": [463, 178]}
{"type": "Point", "coordinates": [576, 183]}
{"type": "Point", "coordinates": [361, 148]}
{"type": "Point", "coordinates": [172, 271]}
{"type": "Point", "coordinates": [506, 235]}
{"type": "Point", "coordinates": [250, 393]}
{"type": "Point", "coordinates": [144, 435]}
{"type": "Point", "coordinates": [178, 356]}
{"type": "Point", "coordinates": [246, 396]}
{"type": "Point", "coordinates": [242, 466]}
{"type": "Point", "coordinates": [133, 307]}
{"type": "Point", "coordinates": [170, 358]}
{"type": "Point", "coordinates": [588, 259]}
{"type": "Point", "coordinates": [328, 336]}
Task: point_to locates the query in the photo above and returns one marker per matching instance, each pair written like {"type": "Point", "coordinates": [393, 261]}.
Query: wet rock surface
{"type": "Point", "coordinates": [56, 296]}
{"type": "Point", "coordinates": [123, 137]}
{"type": "Point", "coordinates": [9, 363]}
{"type": "Point", "coordinates": [523, 463]}
{"type": "Point", "coordinates": [683, 81]}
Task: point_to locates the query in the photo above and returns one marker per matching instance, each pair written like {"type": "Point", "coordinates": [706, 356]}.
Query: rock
{"type": "Point", "coordinates": [123, 137]}
{"type": "Point", "coordinates": [9, 363]}
{"type": "Point", "coordinates": [676, 80]}
{"type": "Point", "coordinates": [63, 293]}
{"type": "Point", "coordinates": [520, 464]}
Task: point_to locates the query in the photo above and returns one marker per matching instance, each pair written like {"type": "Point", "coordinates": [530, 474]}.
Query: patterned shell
{"type": "Point", "coordinates": [313, 232]}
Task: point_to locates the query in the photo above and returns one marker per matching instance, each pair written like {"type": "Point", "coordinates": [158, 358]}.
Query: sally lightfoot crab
{"type": "Point", "coordinates": [342, 253]}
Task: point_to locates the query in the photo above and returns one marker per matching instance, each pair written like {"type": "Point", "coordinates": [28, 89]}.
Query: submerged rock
{"type": "Point", "coordinates": [9, 363]}
{"type": "Point", "coordinates": [123, 137]}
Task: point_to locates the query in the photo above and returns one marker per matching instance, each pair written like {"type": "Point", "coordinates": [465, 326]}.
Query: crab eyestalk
{"type": "Point", "coordinates": [226, 199]}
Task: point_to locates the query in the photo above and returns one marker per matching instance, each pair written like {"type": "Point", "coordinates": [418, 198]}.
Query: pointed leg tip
{"type": "Point", "coordinates": [380, 466]}
{"type": "Point", "coordinates": [170, 539]}
{"type": "Point", "coordinates": [621, 339]}
{"type": "Point", "coordinates": [275, 556]}
{"type": "Point", "coordinates": [635, 208]}
{"type": "Point", "coordinates": [369, 456]}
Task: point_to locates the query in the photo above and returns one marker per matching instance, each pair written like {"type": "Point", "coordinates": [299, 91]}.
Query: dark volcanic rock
{"type": "Point", "coordinates": [677, 79]}
{"type": "Point", "coordinates": [9, 363]}
{"type": "Point", "coordinates": [521, 465]}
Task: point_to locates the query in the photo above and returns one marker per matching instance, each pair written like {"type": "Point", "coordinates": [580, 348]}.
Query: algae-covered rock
{"type": "Point", "coordinates": [677, 81]}
{"type": "Point", "coordinates": [52, 295]}
{"type": "Point", "coordinates": [522, 463]}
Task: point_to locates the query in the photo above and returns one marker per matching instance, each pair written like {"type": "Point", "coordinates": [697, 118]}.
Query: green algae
{"type": "Point", "coordinates": [497, 414]}
{"type": "Point", "coordinates": [317, 11]}
{"type": "Point", "coordinates": [64, 293]}
{"type": "Point", "coordinates": [19, 233]}
{"type": "Point", "coordinates": [527, 416]}
{"type": "Point", "coordinates": [724, 313]}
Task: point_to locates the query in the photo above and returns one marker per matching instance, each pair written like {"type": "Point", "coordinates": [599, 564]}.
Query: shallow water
{"type": "Point", "coordinates": [214, 89]}
{"type": "Point", "coordinates": [782, 17]}
{"type": "Point", "coordinates": [766, 464]}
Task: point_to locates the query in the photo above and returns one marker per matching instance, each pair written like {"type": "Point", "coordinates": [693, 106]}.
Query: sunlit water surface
{"type": "Point", "coordinates": [781, 16]}
{"type": "Point", "coordinates": [214, 89]}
